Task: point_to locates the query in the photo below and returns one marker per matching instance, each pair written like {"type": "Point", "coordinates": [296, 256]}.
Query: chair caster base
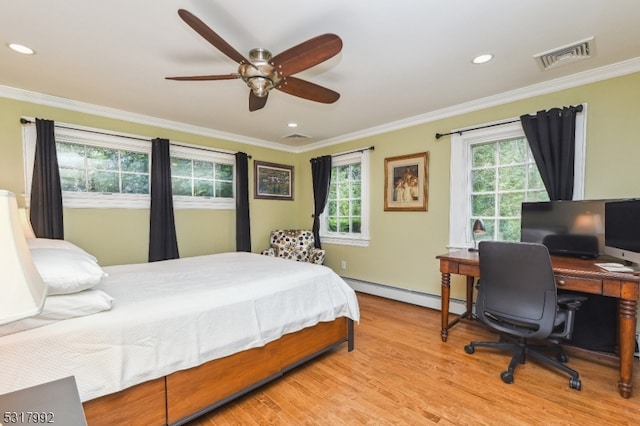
{"type": "Point", "coordinates": [507, 377]}
{"type": "Point", "coordinates": [575, 384]}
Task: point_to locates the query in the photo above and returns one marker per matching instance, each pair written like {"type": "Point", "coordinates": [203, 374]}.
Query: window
{"type": "Point", "coordinates": [86, 168]}
{"type": "Point", "coordinates": [503, 175]}
{"type": "Point", "coordinates": [110, 171]}
{"type": "Point", "coordinates": [492, 173]}
{"type": "Point", "coordinates": [202, 178]}
{"type": "Point", "coordinates": [345, 219]}
{"type": "Point", "coordinates": [197, 178]}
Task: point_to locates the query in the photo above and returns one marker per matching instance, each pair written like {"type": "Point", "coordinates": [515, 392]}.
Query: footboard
{"type": "Point", "coordinates": [143, 404]}
{"type": "Point", "coordinates": [184, 395]}
{"type": "Point", "coordinates": [195, 391]}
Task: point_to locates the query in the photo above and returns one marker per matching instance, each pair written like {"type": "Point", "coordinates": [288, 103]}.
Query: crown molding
{"type": "Point", "coordinates": [599, 74]}
{"type": "Point", "coordinates": [102, 111]}
{"type": "Point", "coordinates": [610, 71]}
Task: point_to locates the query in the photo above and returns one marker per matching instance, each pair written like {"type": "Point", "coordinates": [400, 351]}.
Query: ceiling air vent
{"type": "Point", "coordinates": [566, 54]}
{"type": "Point", "coordinates": [296, 136]}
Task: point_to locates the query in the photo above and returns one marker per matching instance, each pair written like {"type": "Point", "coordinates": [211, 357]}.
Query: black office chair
{"type": "Point", "coordinates": [517, 297]}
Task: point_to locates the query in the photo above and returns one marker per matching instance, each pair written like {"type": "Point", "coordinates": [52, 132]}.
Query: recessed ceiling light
{"type": "Point", "coordinates": [481, 59]}
{"type": "Point", "coordinates": [292, 125]}
{"type": "Point", "coordinates": [21, 49]}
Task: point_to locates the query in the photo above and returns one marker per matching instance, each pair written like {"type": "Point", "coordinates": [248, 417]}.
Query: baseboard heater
{"type": "Point", "coordinates": [432, 301]}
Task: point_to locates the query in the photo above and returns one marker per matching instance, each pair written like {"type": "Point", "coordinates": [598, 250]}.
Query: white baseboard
{"type": "Point", "coordinates": [427, 300]}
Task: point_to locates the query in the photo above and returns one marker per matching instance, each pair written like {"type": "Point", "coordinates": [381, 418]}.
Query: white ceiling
{"type": "Point", "coordinates": [402, 60]}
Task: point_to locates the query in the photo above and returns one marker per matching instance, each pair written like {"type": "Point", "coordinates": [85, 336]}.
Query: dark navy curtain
{"type": "Point", "coordinates": [552, 138]}
{"type": "Point", "coordinates": [163, 243]}
{"type": "Point", "coordinates": [46, 191]}
{"type": "Point", "coordinates": [243, 225]}
{"type": "Point", "coordinates": [321, 175]}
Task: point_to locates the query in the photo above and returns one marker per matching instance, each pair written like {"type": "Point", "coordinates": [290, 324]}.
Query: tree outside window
{"type": "Point", "coordinates": [503, 175]}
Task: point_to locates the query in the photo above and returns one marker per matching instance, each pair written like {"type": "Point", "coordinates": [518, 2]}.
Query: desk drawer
{"type": "Point", "coordinates": [587, 285]}
{"type": "Point", "coordinates": [469, 270]}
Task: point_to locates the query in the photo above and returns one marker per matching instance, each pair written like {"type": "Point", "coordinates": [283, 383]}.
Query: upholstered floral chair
{"type": "Point", "coordinates": [295, 244]}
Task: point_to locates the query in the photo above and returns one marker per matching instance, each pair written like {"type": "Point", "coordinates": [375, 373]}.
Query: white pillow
{"type": "Point", "coordinates": [62, 307]}
{"type": "Point", "coordinates": [66, 271]}
{"type": "Point", "coordinates": [46, 243]}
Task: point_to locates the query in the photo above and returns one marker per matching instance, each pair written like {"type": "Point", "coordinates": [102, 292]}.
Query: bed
{"type": "Point", "coordinates": [177, 338]}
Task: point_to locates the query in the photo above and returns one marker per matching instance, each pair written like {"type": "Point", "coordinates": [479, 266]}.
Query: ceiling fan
{"type": "Point", "coordinates": [263, 72]}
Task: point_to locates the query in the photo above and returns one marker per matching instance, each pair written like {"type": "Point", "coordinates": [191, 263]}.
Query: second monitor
{"type": "Point", "coordinates": [569, 228]}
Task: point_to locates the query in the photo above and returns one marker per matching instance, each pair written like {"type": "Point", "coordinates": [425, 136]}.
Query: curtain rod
{"type": "Point", "coordinates": [578, 108]}
{"type": "Point", "coordinates": [371, 148]}
{"type": "Point", "coordinates": [25, 121]}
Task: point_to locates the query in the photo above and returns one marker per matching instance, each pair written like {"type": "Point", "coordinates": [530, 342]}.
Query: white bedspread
{"type": "Point", "coordinates": [174, 315]}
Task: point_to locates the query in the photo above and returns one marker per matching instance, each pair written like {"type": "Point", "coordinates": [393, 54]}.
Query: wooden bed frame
{"type": "Point", "coordinates": [184, 395]}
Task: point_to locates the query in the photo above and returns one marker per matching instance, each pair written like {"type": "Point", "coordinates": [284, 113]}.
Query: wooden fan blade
{"type": "Point", "coordinates": [205, 77]}
{"type": "Point", "coordinates": [307, 54]}
{"type": "Point", "coordinates": [211, 36]}
{"type": "Point", "coordinates": [255, 102]}
{"type": "Point", "coordinates": [307, 90]}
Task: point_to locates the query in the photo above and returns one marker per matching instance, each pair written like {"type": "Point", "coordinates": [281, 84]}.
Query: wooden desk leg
{"type": "Point", "coordinates": [470, 282]}
{"type": "Point", "coordinates": [627, 310]}
{"type": "Point", "coordinates": [444, 300]}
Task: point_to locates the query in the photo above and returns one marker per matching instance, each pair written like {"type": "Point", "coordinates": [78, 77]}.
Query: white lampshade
{"type": "Point", "coordinates": [22, 291]}
{"type": "Point", "coordinates": [26, 224]}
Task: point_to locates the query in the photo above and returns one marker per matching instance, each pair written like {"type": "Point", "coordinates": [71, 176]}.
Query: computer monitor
{"type": "Point", "coordinates": [622, 229]}
{"type": "Point", "coordinates": [569, 228]}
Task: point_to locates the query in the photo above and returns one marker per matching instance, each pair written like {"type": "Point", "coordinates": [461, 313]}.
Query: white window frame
{"type": "Point", "coordinates": [184, 202]}
{"type": "Point", "coordinates": [93, 137]}
{"type": "Point", "coordinates": [460, 180]}
{"type": "Point", "coordinates": [343, 238]}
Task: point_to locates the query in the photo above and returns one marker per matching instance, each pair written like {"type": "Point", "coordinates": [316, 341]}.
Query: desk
{"type": "Point", "coordinates": [571, 274]}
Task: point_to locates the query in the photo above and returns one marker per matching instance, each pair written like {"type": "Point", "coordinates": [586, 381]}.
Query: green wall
{"type": "Point", "coordinates": [403, 244]}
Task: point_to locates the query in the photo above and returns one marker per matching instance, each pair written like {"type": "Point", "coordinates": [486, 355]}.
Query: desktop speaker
{"type": "Point", "coordinates": [572, 245]}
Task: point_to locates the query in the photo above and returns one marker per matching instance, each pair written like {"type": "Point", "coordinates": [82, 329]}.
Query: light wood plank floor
{"type": "Point", "coordinates": [401, 373]}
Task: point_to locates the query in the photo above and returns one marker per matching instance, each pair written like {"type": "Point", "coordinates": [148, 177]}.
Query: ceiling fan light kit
{"type": "Point", "coordinates": [262, 72]}
{"type": "Point", "coordinates": [259, 75]}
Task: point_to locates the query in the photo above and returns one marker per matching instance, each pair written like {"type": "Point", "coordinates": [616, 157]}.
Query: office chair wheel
{"type": "Point", "coordinates": [469, 349]}
{"type": "Point", "coordinates": [575, 384]}
{"type": "Point", "coordinates": [563, 358]}
{"type": "Point", "coordinates": [507, 377]}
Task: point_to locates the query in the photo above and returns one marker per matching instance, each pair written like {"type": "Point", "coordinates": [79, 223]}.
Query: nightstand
{"type": "Point", "coordinates": [56, 402]}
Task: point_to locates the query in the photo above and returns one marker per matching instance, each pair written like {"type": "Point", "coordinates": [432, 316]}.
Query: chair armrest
{"type": "Point", "coordinates": [317, 256]}
{"type": "Point", "coordinates": [269, 252]}
{"type": "Point", "coordinates": [570, 301]}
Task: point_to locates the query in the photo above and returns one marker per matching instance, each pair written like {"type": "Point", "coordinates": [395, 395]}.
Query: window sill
{"type": "Point", "coordinates": [344, 241]}
{"type": "Point", "coordinates": [130, 201]}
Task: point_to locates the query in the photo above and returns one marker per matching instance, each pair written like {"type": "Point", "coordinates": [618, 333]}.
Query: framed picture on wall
{"type": "Point", "coordinates": [406, 181]}
{"type": "Point", "coordinates": [272, 181]}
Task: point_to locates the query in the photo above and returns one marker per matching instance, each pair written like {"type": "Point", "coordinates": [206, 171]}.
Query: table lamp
{"type": "Point", "coordinates": [478, 229]}
{"type": "Point", "coordinates": [26, 224]}
{"type": "Point", "coordinates": [587, 223]}
{"type": "Point", "coordinates": [22, 291]}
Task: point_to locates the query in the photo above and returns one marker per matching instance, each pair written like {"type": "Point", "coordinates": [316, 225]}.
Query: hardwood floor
{"type": "Point", "coordinates": [401, 373]}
